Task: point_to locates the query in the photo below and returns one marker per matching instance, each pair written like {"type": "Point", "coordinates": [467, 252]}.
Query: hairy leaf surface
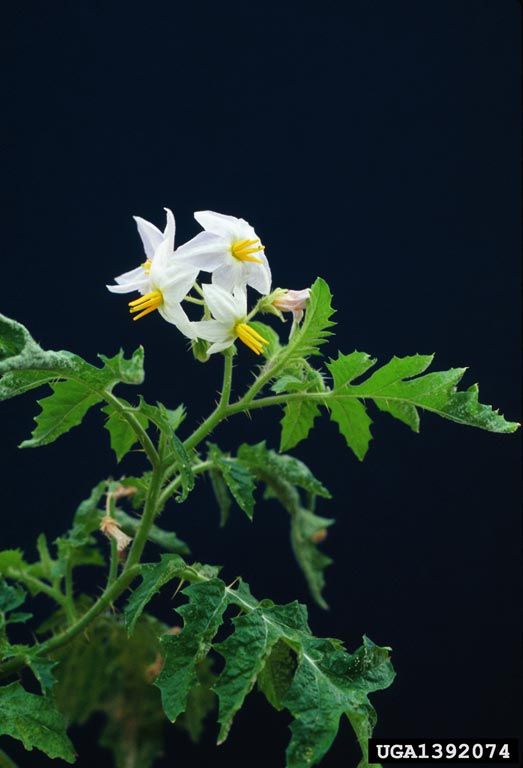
{"type": "Point", "coordinates": [75, 384]}
{"type": "Point", "coordinates": [35, 721]}
{"type": "Point", "coordinates": [202, 616]}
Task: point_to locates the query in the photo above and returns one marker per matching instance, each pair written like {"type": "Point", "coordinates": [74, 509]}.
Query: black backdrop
{"type": "Point", "coordinates": [376, 144]}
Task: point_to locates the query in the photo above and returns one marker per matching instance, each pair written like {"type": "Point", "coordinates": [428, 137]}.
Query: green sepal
{"type": "Point", "coordinates": [270, 335]}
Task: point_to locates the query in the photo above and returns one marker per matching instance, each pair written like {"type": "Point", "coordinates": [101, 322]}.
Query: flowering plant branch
{"type": "Point", "coordinates": [161, 673]}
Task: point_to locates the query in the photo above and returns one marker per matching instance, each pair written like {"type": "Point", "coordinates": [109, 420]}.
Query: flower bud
{"type": "Point", "coordinates": [112, 530]}
{"type": "Point", "coordinates": [199, 349]}
{"type": "Point", "coordinates": [293, 301]}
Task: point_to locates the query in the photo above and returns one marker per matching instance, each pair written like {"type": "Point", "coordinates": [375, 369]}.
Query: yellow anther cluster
{"type": "Point", "coordinates": [250, 337]}
{"type": "Point", "coordinates": [145, 304]}
{"type": "Point", "coordinates": [243, 250]}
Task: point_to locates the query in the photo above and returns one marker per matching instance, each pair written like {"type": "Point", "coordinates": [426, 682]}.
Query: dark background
{"type": "Point", "coordinates": [374, 143]}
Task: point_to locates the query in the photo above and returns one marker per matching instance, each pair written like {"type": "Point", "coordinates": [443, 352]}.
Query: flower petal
{"type": "Point", "coordinates": [170, 228]}
{"type": "Point", "coordinates": [175, 314]}
{"type": "Point", "coordinates": [258, 276]}
{"type": "Point", "coordinates": [212, 330]}
{"type": "Point", "coordinates": [174, 281]}
{"type": "Point", "coordinates": [228, 275]}
{"type": "Point", "coordinates": [221, 303]}
{"type": "Point", "coordinates": [151, 236]}
{"type": "Point", "coordinates": [240, 300]}
{"type": "Point", "coordinates": [219, 346]}
{"type": "Point", "coordinates": [206, 251]}
{"type": "Point", "coordinates": [218, 223]}
{"type": "Point", "coordinates": [139, 285]}
{"type": "Point", "coordinates": [130, 277]}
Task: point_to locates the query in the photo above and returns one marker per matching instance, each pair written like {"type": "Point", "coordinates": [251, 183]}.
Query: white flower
{"type": "Point", "coordinates": [231, 250]}
{"type": "Point", "coordinates": [293, 301]}
{"type": "Point", "coordinates": [138, 279]}
{"type": "Point", "coordinates": [230, 321]}
{"type": "Point", "coordinates": [169, 282]}
{"type": "Point", "coordinates": [163, 279]}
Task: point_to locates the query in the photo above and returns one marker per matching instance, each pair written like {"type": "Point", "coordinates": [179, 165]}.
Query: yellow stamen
{"type": "Point", "coordinates": [243, 250]}
{"type": "Point", "coordinates": [250, 337]}
{"type": "Point", "coordinates": [146, 304]}
{"type": "Point", "coordinates": [146, 266]}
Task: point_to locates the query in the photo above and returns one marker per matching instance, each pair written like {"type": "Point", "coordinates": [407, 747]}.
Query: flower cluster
{"type": "Point", "coordinates": [230, 250]}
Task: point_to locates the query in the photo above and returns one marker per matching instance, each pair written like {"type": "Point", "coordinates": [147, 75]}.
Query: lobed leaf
{"type": "Point", "coordinates": [315, 679]}
{"type": "Point", "coordinates": [184, 466]}
{"type": "Point", "coordinates": [288, 468]}
{"type": "Point", "coordinates": [328, 684]}
{"type": "Point", "coordinates": [75, 384]}
{"type": "Point", "coordinates": [237, 477]}
{"type": "Point", "coordinates": [202, 616]}
{"type": "Point", "coordinates": [35, 721]}
{"type": "Point", "coordinates": [154, 577]}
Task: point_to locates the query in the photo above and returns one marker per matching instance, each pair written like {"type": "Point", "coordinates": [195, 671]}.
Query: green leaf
{"type": "Point", "coordinates": [63, 409]}
{"type": "Point", "coordinates": [202, 616]}
{"type": "Point", "coordinates": [353, 423]}
{"type": "Point", "coordinates": [221, 494]}
{"type": "Point", "coordinates": [399, 388]}
{"type": "Point", "coordinates": [317, 680]}
{"type": "Point", "coordinates": [19, 617]}
{"type": "Point", "coordinates": [328, 684]}
{"type": "Point", "coordinates": [298, 420]}
{"type": "Point", "coordinates": [164, 419]}
{"type": "Point", "coordinates": [200, 702]}
{"type": "Point", "coordinates": [87, 517]}
{"type": "Point", "coordinates": [237, 477]}
{"type": "Point", "coordinates": [289, 468]}
{"type": "Point", "coordinates": [270, 335]}
{"type": "Point", "coordinates": [154, 577]}
{"type": "Point", "coordinates": [11, 558]}
{"type": "Point", "coordinates": [276, 676]}
{"type": "Point", "coordinates": [35, 721]}
{"type": "Point", "coordinates": [10, 597]}
{"type": "Point", "coordinates": [184, 467]}
{"type": "Point", "coordinates": [75, 384]}
{"type": "Point", "coordinates": [167, 540]}
{"type": "Point", "coordinates": [43, 671]}
{"type": "Point", "coordinates": [122, 435]}
{"type": "Point", "coordinates": [307, 531]}
{"type": "Point", "coordinates": [245, 652]}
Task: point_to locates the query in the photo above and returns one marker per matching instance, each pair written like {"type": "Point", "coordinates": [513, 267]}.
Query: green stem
{"type": "Point", "coordinates": [69, 591]}
{"type": "Point", "coordinates": [109, 596]}
{"type": "Point", "coordinates": [149, 513]}
{"type": "Point", "coordinates": [227, 378]}
{"type": "Point", "coordinates": [221, 410]}
{"type": "Point", "coordinates": [265, 402]}
{"type": "Point", "coordinates": [37, 585]}
{"type": "Point", "coordinates": [113, 563]}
